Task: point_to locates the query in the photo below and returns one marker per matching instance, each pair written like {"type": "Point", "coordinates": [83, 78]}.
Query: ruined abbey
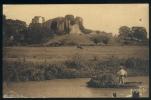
{"type": "Point", "coordinates": [61, 25]}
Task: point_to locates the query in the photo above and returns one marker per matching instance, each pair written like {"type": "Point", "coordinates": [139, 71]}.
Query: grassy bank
{"type": "Point", "coordinates": [59, 53]}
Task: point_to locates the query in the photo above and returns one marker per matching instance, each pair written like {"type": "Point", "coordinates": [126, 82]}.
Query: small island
{"type": "Point", "coordinates": [110, 81]}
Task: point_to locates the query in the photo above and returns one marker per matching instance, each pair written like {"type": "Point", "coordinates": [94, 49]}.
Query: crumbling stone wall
{"type": "Point", "coordinates": [63, 25]}
{"type": "Point", "coordinates": [38, 19]}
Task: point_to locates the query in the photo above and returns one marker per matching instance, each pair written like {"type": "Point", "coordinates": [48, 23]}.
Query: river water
{"type": "Point", "coordinates": [74, 88]}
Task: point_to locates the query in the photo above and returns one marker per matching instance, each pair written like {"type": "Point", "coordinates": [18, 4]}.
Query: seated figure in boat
{"type": "Point", "coordinates": [122, 74]}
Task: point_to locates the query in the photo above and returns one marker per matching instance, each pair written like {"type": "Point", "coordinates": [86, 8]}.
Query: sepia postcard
{"type": "Point", "coordinates": [75, 50]}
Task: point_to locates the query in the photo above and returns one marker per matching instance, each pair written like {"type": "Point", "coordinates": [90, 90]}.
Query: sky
{"type": "Point", "coordinates": [103, 17]}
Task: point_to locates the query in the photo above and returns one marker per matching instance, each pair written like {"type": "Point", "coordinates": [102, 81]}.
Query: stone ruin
{"type": "Point", "coordinates": [68, 24]}
{"type": "Point", "coordinates": [38, 19]}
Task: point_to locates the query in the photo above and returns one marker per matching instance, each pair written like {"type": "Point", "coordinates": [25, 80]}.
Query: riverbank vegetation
{"type": "Point", "coordinates": [75, 67]}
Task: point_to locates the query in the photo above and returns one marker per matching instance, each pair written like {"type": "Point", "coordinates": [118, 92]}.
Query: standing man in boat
{"type": "Point", "coordinates": [122, 74]}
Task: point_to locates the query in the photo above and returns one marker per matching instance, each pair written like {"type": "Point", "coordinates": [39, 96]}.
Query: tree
{"type": "Point", "coordinates": [101, 38]}
{"type": "Point", "coordinates": [96, 39]}
{"type": "Point", "coordinates": [12, 29]}
{"type": "Point", "coordinates": [139, 33]}
{"type": "Point", "coordinates": [124, 32]}
{"type": "Point", "coordinates": [133, 35]}
{"type": "Point", "coordinates": [35, 33]}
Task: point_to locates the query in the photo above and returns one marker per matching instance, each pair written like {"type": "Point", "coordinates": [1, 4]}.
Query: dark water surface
{"type": "Point", "coordinates": [68, 88]}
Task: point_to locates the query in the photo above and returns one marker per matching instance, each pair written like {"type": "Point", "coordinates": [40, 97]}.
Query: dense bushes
{"type": "Point", "coordinates": [77, 61]}
{"type": "Point", "coordinates": [78, 66]}
{"type": "Point", "coordinates": [103, 38]}
{"type": "Point", "coordinates": [35, 72]}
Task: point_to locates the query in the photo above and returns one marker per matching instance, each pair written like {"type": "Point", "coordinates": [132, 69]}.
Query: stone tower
{"type": "Point", "coordinates": [38, 19]}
